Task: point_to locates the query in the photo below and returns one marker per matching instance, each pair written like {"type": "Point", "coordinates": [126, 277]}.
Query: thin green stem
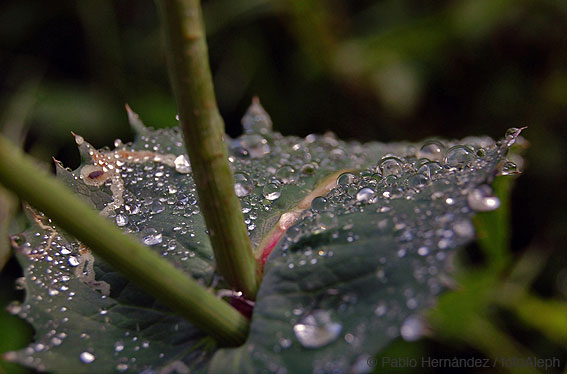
{"type": "Point", "coordinates": [203, 130]}
{"type": "Point", "coordinates": [137, 262]}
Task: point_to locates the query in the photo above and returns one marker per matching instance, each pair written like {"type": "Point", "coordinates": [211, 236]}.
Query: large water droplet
{"type": "Point", "coordinates": [121, 220]}
{"type": "Point", "coordinates": [429, 169]}
{"type": "Point", "coordinates": [309, 168]}
{"type": "Point", "coordinates": [459, 156]}
{"type": "Point", "coordinates": [412, 329]}
{"type": "Point", "coordinates": [319, 204]}
{"type": "Point", "coordinates": [432, 150]}
{"type": "Point", "coordinates": [151, 236]}
{"type": "Point", "coordinates": [271, 191]}
{"type": "Point", "coordinates": [286, 174]}
{"type": "Point", "coordinates": [390, 165]}
{"type": "Point", "coordinates": [345, 179]}
{"type": "Point", "coordinates": [242, 184]}
{"type": "Point", "coordinates": [73, 261]}
{"type": "Point", "coordinates": [256, 145]}
{"type": "Point", "coordinates": [87, 357]}
{"type": "Point", "coordinates": [364, 194]}
{"type": "Point", "coordinates": [317, 329]}
{"type": "Point", "coordinates": [182, 164]}
{"type": "Point", "coordinates": [481, 199]}
{"type": "Point", "coordinates": [510, 168]}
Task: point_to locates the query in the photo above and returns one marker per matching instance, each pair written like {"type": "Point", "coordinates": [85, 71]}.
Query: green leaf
{"type": "Point", "coordinates": [363, 260]}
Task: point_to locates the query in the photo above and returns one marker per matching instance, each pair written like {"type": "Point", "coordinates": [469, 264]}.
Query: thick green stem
{"type": "Point", "coordinates": [203, 130]}
{"type": "Point", "coordinates": [137, 262]}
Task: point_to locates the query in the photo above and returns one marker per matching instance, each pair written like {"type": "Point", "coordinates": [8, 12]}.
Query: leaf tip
{"type": "Point", "coordinates": [135, 121]}
{"type": "Point", "coordinates": [256, 119]}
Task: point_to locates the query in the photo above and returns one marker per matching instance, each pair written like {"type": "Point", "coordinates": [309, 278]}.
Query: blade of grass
{"type": "Point", "coordinates": [203, 130]}
{"type": "Point", "coordinates": [137, 262]}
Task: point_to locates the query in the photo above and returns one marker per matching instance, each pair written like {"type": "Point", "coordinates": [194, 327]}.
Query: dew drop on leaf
{"type": "Point", "coordinates": [459, 156]}
{"type": "Point", "coordinates": [432, 150]}
{"type": "Point", "coordinates": [412, 329]}
{"type": "Point", "coordinates": [286, 174]}
{"type": "Point", "coordinates": [345, 179]}
{"type": "Point", "coordinates": [182, 164]}
{"type": "Point", "coordinates": [256, 145]}
{"type": "Point", "coordinates": [390, 166]}
{"type": "Point", "coordinates": [73, 261]}
{"type": "Point", "coordinates": [242, 184]}
{"type": "Point", "coordinates": [121, 220]}
{"type": "Point", "coordinates": [87, 357]}
{"type": "Point", "coordinates": [482, 200]}
{"type": "Point", "coordinates": [271, 191]}
{"type": "Point", "coordinates": [319, 204]}
{"type": "Point", "coordinates": [317, 329]}
{"type": "Point", "coordinates": [151, 236]}
{"type": "Point", "coordinates": [509, 168]}
{"type": "Point", "coordinates": [364, 194]}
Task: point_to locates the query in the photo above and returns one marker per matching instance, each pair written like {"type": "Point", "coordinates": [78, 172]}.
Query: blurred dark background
{"type": "Point", "coordinates": [382, 70]}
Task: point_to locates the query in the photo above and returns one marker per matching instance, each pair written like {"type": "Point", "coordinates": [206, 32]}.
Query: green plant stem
{"type": "Point", "coordinates": [137, 262]}
{"type": "Point", "coordinates": [203, 130]}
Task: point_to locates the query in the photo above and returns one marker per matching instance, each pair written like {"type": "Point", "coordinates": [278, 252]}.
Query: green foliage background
{"type": "Point", "coordinates": [384, 70]}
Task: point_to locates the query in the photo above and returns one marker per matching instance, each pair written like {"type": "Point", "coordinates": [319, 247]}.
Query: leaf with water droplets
{"type": "Point", "coordinates": [333, 294]}
{"type": "Point", "coordinates": [367, 228]}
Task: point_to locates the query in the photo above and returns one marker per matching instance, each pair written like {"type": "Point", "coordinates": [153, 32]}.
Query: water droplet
{"type": "Point", "coordinates": [418, 180]}
{"type": "Point", "coordinates": [286, 174]}
{"type": "Point", "coordinates": [429, 169]}
{"type": "Point", "coordinates": [157, 207]}
{"type": "Point", "coordinates": [271, 191]}
{"type": "Point", "coordinates": [256, 145]}
{"type": "Point", "coordinates": [510, 168]}
{"type": "Point", "coordinates": [412, 329]}
{"type": "Point", "coordinates": [118, 346]}
{"type": "Point", "coordinates": [390, 165]}
{"type": "Point", "coordinates": [285, 343]}
{"type": "Point", "coordinates": [512, 134]}
{"type": "Point", "coordinates": [121, 220]}
{"type": "Point", "coordinates": [309, 168]}
{"type": "Point", "coordinates": [345, 179]}
{"type": "Point", "coordinates": [481, 199]}
{"type": "Point", "coordinates": [122, 367]}
{"type": "Point", "coordinates": [14, 307]}
{"type": "Point", "coordinates": [381, 309]}
{"type": "Point", "coordinates": [182, 164]}
{"type": "Point", "coordinates": [464, 228]}
{"type": "Point", "coordinates": [319, 204]}
{"type": "Point", "coordinates": [151, 236]}
{"type": "Point", "coordinates": [73, 261]}
{"type": "Point", "coordinates": [242, 184]}
{"type": "Point", "coordinates": [432, 150]}
{"type": "Point", "coordinates": [364, 194]}
{"type": "Point", "coordinates": [423, 251]}
{"type": "Point", "coordinates": [317, 329]}
{"type": "Point", "coordinates": [87, 357]}
{"type": "Point", "coordinates": [459, 156]}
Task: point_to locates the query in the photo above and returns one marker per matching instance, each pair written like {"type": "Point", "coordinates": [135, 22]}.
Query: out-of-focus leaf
{"type": "Point", "coordinates": [362, 261]}
{"type": "Point", "coordinates": [7, 209]}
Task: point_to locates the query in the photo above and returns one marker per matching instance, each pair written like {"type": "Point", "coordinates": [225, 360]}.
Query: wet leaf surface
{"type": "Point", "coordinates": [352, 272]}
